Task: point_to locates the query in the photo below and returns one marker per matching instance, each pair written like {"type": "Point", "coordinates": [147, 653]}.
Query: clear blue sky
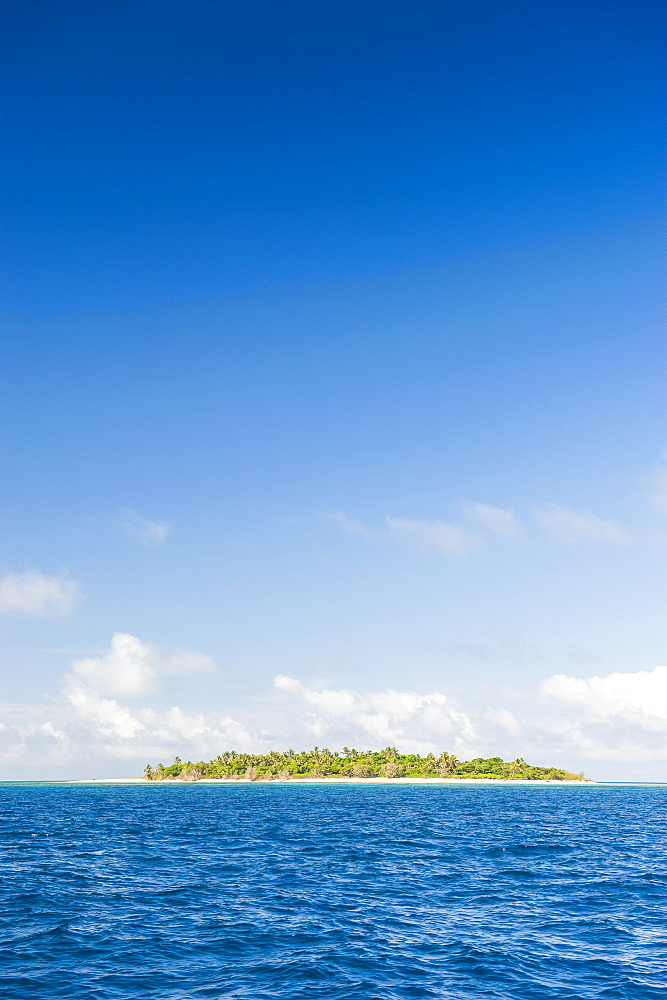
{"type": "Point", "coordinates": [334, 350]}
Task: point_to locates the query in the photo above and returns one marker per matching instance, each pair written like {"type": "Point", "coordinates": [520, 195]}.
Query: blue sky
{"type": "Point", "coordinates": [334, 351]}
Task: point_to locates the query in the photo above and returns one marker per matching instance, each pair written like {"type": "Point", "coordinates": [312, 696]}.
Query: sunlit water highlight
{"type": "Point", "coordinates": [284, 891]}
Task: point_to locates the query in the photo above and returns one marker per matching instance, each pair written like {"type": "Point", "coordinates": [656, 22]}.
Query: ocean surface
{"type": "Point", "coordinates": [165, 892]}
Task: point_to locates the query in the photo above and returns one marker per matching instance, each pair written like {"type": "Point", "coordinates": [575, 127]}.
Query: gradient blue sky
{"type": "Point", "coordinates": [334, 351]}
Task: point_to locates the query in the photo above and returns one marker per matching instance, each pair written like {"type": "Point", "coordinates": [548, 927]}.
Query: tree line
{"type": "Point", "coordinates": [350, 763]}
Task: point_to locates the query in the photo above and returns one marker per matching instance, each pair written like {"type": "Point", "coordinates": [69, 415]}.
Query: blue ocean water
{"type": "Point", "coordinates": [251, 892]}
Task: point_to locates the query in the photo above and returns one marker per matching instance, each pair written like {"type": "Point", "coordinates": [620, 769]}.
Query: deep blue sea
{"type": "Point", "coordinates": [251, 892]}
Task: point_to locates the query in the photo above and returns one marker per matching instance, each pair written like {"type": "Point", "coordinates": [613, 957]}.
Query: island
{"type": "Point", "coordinates": [320, 764]}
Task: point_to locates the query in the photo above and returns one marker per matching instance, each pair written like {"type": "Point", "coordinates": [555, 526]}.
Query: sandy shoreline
{"type": "Point", "coordinates": [328, 781]}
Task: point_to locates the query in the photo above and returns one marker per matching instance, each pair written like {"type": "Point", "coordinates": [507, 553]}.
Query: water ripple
{"type": "Point", "coordinates": [283, 892]}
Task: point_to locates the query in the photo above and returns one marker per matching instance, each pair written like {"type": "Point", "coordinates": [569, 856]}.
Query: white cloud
{"type": "Point", "coordinates": [50, 730]}
{"type": "Point", "coordinates": [348, 524]}
{"type": "Point", "coordinates": [619, 717]}
{"type": "Point", "coordinates": [34, 593]}
{"type": "Point", "coordinates": [174, 731]}
{"type": "Point", "coordinates": [93, 693]}
{"type": "Point", "coordinates": [572, 526]}
{"type": "Point", "coordinates": [130, 668]}
{"type": "Point", "coordinates": [448, 539]}
{"type": "Point", "coordinates": [91, 730]}
{"type": "Point", "coordinates": [139, 528]}
{"type": "Point", "coordinates": [127, 670]}
{"type": "Point", "coordinates": [105, 716]}
{"type": "Point", "coordinates": [103, 712]}
{"type": "Point", "coordinates": [495, 519]}
{"type": "Point", "coordinates": [404, 718]}
{"type": "Point", "coordinates": [640, 697]}
{"type": "Point", "coordinates": [504, 719]}
{"type": "Point", "coordinates": [182, 661]}
{"type": "Point", "coordinates": [440, 536]}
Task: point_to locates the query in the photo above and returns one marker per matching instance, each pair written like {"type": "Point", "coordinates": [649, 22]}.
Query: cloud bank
{"type": "Point", "coordinates": [400, 718]}
{"type": "Point", "coordinates": [619, 716]}
{"type": "Point", "coordinates": [105, 711]}
{"type": "Point", "coordinates": [101, 713]}
{"type": "Point", "coordinates": [639, 697]}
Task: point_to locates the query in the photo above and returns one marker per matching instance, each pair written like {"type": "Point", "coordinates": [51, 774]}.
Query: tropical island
{"type": "Point", "coordinates": [320, 764]}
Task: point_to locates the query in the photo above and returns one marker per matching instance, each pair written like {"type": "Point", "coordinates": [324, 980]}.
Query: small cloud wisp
{"type": "Point", "coordinates": [438, 536]}
{"type": "Point", "coordinates": [572, 527]}
{"type": "Point", "coordinates": [34, 593]}
{"type": "Point", "coordinates": [140, 529]}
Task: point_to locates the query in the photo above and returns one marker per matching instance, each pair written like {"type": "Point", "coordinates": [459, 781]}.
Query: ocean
{"type": "Point", "coordinates": [283, 892]}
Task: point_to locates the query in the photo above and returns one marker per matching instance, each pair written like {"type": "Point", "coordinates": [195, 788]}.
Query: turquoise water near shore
{"type": "Point", "coordinates": [251, 892]}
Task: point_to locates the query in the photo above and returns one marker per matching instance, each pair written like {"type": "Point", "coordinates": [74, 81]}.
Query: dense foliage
{"type": "Point", "coordinates": [323, 763]}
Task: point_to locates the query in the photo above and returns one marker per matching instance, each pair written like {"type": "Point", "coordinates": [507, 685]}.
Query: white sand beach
{"type": "Point", "coordinates": [328, 781]}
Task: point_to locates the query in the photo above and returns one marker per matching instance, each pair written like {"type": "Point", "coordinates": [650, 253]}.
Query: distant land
{"type": "Point", "coordinates": [320, 764]}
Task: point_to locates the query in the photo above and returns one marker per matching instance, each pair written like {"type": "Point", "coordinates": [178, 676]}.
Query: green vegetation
{"type": "Point", "coordinates": [323, 763]}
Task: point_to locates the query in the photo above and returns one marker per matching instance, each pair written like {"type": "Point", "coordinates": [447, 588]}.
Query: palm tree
{"type": "Point", "coordinates": [447, 764]}
{"type": "Point", "coordinates": [517, 766]}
